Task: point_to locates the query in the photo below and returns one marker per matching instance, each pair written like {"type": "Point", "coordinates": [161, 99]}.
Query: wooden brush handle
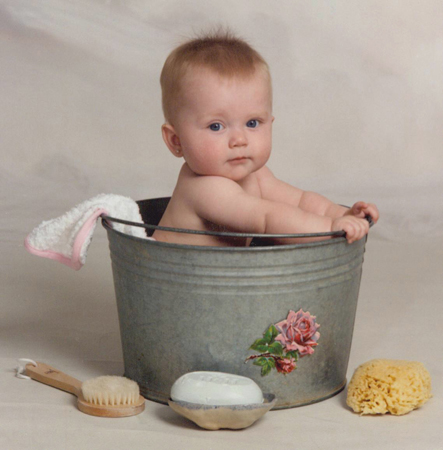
{"type": "Point", "coordinates": [53, 377]}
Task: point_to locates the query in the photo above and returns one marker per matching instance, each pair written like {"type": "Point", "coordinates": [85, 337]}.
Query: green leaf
{"type": "Point", "coordinates": [260, 362]}
{"type": "Point", "coordinates": [263, 349]}
{"type": "Point", "coordinates": [292, 354]}
{"type": "Point", "coordinates": [265, 370]}
{"type": "Point", "coordinates": [276, 348]}
{"type": "Point", "coordinates": [267, 336]}
{"type": "Point", "coordinates": [270, 334]}
{"type": "Point", "coordinates": [274, 331]}
{"type": "Point", "coordinates": [259, 345]}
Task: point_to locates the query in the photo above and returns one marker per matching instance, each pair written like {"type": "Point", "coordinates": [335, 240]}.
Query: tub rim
{"type": "Point", "coordinates": [330, 238]}
{"type": "Point", "coordinates": [254, 249]}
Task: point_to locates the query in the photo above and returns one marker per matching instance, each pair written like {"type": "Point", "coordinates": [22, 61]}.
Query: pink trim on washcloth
{"type": "Point", "coordinates": [84, 232]}
{"type": "Point", "coordinates": [49, 254]}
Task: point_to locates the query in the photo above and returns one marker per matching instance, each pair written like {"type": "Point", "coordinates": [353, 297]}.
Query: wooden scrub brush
{"type": "Point", "coordinates": [106, 396]}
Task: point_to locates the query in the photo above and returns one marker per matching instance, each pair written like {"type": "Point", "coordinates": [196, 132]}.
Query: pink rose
{"type": "Point", "coordinates": [298, 332]}
{"type": "Point", "coordinates": [285, 365]}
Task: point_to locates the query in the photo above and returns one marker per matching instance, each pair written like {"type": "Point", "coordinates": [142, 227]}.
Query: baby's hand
{"type": "Point", "coordinates": [354, 227]}
{"type": "Point", "coordinates": [363, 209]}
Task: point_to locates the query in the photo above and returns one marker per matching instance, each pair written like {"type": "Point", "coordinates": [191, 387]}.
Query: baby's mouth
{"type": "Point", "coordinates": [238, 159]}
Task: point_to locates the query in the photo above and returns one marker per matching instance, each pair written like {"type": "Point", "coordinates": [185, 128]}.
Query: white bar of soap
{"type": "Point", "coordinates": [216, 388]}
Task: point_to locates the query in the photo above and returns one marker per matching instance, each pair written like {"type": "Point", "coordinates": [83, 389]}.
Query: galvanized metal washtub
{"type": "Point", "coordinates": [188, 308]}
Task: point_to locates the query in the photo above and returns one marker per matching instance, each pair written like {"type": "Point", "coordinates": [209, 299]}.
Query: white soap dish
{"type": "Point", "coordinates": [214, 417]}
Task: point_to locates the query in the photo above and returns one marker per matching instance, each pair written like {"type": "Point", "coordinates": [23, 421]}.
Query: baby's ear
{"type": "Point", "coordinates": [172, 140]}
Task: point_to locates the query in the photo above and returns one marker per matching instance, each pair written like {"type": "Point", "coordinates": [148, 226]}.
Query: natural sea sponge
{"type": "Point", "coordinates": [391, 386]}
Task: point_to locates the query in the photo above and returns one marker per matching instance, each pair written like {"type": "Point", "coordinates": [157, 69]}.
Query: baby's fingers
{"type": "Point", "coordinates": [372, 211]}
{"type": "Point", "coordinates": [358, 209]}
{"type": "Point", "coordinates": [351, 231]}
{"type": "Point", "coordinates": [356, 230]}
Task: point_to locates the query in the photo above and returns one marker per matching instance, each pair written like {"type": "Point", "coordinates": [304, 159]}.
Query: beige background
{"type": "Point", "coordinates": [359, 115]}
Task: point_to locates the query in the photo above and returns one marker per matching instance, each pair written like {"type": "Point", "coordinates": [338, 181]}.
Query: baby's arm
{"type": "Point", "coordinates": [225, 203]}
{"type": "Point", "coordinates": [274, 189]}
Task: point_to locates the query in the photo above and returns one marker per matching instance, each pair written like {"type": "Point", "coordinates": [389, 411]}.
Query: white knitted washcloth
{"type": "Point", "coordinates": [66, 238]}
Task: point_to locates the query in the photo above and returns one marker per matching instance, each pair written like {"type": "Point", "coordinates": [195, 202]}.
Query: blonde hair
{"type": "Point", "coordinates": [222, 52]}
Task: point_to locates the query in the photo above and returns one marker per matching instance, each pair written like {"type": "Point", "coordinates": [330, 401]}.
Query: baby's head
{"type": "Point", "coordinates": [221, 53]}
{"type": "Point", "coordinates": [217, 101]}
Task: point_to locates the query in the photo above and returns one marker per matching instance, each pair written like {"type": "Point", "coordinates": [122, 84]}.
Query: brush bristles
{"type": "Point", "coordinates": [111, 391]}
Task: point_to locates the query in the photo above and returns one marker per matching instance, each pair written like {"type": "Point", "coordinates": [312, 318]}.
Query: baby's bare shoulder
{"type": "Point", "coordinates": [192, 186]}
{"type": "Point", "coordinates": [188, 176]}
{"type": "Point", "coordinates": [215, 185]}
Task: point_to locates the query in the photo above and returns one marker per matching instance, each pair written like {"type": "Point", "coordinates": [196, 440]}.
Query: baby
{"type": "Point", "coordinates": [217, 102]}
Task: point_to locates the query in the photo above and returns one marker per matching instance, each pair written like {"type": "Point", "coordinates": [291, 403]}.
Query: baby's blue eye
{"type": "Point", "coordinates": [215, 126]}
{"type": "Point", "coordinates": [252, 123]}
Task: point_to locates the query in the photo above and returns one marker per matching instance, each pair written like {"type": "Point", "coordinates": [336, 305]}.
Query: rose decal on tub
{"type": "Point", "coordinates": [298, 332]}
{"type": "Point", "coordinates": [283, 343]}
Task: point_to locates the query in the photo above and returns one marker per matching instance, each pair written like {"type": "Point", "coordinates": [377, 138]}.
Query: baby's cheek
{"type": "Point", "coordinates": [206, 162]}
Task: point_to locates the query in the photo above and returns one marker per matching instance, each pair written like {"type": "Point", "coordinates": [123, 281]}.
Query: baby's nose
{"type": "Point", "coordinates": [237, 138]}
